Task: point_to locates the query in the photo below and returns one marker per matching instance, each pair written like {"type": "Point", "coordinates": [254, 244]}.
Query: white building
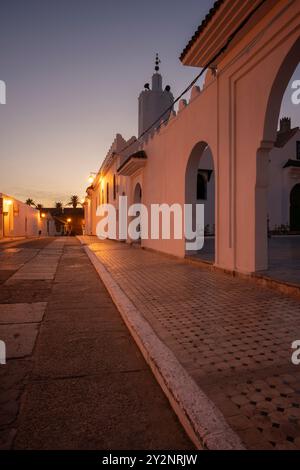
{"type": "Point", "coordinates": [284, 179]}
{"type": "Point", "coordinates": [17, 219]}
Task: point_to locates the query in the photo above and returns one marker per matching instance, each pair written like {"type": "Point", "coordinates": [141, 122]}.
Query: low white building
{"type": "Point", "coordinates": [17, 219]}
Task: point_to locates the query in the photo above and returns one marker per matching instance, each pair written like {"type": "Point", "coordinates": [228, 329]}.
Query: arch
{"type": "Point", "coordinates": [192, 167]}
{"type": "Point", "coordinates": [269, 136]}
{"type": "Point", "coordinates": [200, 188]}
{"type": "Point", "coordinates": [295, 208]}
{"type": "Point", "coordinates": [137, 194]}
{"type": "Point", "coordinates": [279, 86]}
{"type": "Point", "coordinates": [137, 199]}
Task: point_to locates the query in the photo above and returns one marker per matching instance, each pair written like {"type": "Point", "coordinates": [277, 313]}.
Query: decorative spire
{"type": "Point", "coordinates": [157, 62]}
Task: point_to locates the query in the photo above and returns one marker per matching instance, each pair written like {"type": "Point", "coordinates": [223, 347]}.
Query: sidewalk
{"type": "Point", "coordinates": [232, 337]}
{"type": "Point", "coordinates": [74, 378]}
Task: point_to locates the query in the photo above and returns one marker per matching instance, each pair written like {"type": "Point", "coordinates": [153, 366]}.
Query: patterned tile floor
{"type": "Point", "coordinates": [233, 337]}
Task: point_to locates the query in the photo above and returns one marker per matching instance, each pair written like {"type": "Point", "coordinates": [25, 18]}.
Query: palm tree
{"type": "Point", "coordinates": [59, 206]}
{"type": "Point", "coordinates": [39, 206]}
{"type": "Point", "coordinates": [74, 201]}
{"type": "Point", "coordinates": [30, 202]}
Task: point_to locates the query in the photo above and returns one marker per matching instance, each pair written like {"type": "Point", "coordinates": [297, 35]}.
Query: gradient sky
{"type": "Point", "coordinates": [73, 70]}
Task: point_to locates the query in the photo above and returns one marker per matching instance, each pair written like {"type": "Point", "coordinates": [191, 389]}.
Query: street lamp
{"type": "Point", "coordinates": [69, 220]}
{"type": "Point", "coordinates": [43, 215]}
{"type": "Point", "coordinates": [92, 177]}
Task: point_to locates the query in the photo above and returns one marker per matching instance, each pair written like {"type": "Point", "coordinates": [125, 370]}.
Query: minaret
{"type": "Point", "coordinates": [153, 101]}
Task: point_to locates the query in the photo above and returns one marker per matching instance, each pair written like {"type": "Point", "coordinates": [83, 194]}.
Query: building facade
{"type": "Point", "coordinates": [17, 219]}
{"type": "Point", "coordinates": [220, 139]}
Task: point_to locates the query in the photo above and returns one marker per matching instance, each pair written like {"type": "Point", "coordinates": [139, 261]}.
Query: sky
{"type": "Point", "coordinates": [73, 71]}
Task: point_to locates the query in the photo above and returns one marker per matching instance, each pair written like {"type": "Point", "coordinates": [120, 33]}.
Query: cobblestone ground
{"type": "Point", "coordinates": [74, 378]}
{"type": "Point", "coordinates": [233, 337]}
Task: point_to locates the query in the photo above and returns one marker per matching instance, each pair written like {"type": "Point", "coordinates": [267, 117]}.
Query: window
{"type": "Point", "coordinates": [298, 149]}
{"type": "Point", "coordinates": [114, 187]}
{"type": "Point", "coordinates": [201, 187]}
{"type": "Point", "coordinates": [107, 193]}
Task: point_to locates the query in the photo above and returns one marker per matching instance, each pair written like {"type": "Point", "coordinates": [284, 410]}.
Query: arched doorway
{"type": "Point", "coordinates": [200, 189]}
{"type": "Point", "coordinates": [280, 209]}
{"type": "Point", "coordinates": [137, 195]}
{"type": "Point", "coordinates": [137, 199]}
{"type": "Point", "coordinates": [295, 208]}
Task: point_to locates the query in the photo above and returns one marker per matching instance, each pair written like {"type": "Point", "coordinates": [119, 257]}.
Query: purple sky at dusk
{"type": "Point", "coordinates": [73, 70]}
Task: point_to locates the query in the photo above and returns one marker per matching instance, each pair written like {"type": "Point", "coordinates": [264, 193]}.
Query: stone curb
{"type": "Point", "coordinates": [201, 419]}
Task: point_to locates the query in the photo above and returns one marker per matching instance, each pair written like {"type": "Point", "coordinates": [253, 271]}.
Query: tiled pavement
{"type": "Point", "coordinates": [74, 378]}
{"type": "Point", "coordinates": [232, 336]}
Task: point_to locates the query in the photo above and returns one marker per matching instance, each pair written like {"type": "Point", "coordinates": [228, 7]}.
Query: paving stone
{"type": "Point", "coordinates": [5, 273]}
{"type": "Point", "coordinates": [65, 350]}
{"type": "Point", "coordinates": [13, 376]}
{"type": "Point", "coordinates": [78, 414]}
{"type": "Point", "coordinates": [8, 412]}
{"type": "Point", "coordinates": [25, 292]}
{"type": "Point", "coordinates": [19, 339]}
{"type": "Point", "coordinates": [22, 313]}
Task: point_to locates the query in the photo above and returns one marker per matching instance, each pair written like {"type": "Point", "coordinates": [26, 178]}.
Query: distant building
{"type": "Point", "coordinates": [119, 162]}
{"type": "Point", "coordinates": [67, 221]}
{"type": "Point", "coordinates": [17, 219]}
{"type": "Point", "coordinates": [284, 179]}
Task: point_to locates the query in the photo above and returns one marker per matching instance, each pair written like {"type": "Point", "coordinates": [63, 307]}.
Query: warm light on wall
{"type": "Point", "coordinates": [69, 220]}
{"type": "Point", "coordinates": [92, 177]}
{"type": "Point", "coordinates": [8, 202]}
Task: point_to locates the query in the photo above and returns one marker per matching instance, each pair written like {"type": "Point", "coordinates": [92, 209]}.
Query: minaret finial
{"type": "Point", "coordinates": [157, 62]}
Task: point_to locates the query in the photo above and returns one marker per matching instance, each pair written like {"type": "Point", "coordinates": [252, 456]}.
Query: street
{"type": "Point", "coordinates": [74, 378]}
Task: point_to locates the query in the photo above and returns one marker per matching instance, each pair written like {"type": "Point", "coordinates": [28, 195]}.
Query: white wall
{"type": "Point", "coordinates": [18, 219]}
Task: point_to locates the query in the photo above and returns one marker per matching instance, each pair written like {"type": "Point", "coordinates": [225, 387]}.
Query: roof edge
{"type": "Point", "coordinates": [201, 27]}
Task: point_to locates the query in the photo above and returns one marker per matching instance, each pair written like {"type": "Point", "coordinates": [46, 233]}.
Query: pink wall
{"type": "Point", "coordinates": [236, 114]}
